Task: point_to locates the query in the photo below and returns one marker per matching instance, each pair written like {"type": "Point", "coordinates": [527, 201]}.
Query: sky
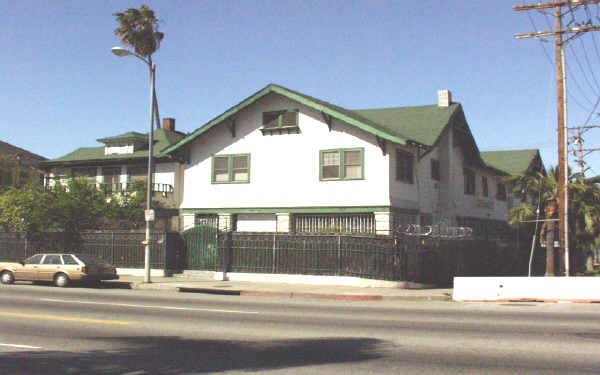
{"type": "Point", "coordinates": [63, 88]}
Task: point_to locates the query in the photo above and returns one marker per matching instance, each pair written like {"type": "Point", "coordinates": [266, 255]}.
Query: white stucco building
{"type": "Point", "coordinates": [284, 161]}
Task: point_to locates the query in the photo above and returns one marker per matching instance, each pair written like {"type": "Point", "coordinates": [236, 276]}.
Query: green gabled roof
{"type": "Point", "coordinates": [513, 162]}
{"type": "Point", "coordinates": [348, 116]}
{"type": "Point", "coordinates": [422, 124]}
{"type": "Point", "coordinates": [130, 136]}
{"type": "Point", "coordinates": [162, 139]}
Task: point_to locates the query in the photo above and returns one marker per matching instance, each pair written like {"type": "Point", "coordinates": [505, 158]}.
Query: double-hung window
{"type": "Point", "coordinates": [231, 169]}
{"type": "Point", "coordinates": [469, 181]}
{"type": "Point", "coordinates": [341, 164]}
{"type": "Point", "coordinates": [435, 169]}
{"type": "Point", "coordinates": [501, 192]}
{"type": "Point", "coordinates": [484, 186]}
{"type": "Point", "coordinates": [404, 166]}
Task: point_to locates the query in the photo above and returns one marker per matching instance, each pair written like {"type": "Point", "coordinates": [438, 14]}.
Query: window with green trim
{"type": "Point", "coordinates": [231, 169]}
{"type": "Point", "coordinates": [341, 164]}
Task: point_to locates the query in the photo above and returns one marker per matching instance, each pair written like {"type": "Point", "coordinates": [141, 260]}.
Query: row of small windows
{"type": "Point", "coordinates": [469, 183]}
{"type": "Point", "coordinates": [338, 164]}
{"type": "Point", "coordinates": [345, 164]}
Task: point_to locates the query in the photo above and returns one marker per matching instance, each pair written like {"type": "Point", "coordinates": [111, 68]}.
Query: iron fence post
{"type": "Point", "coordinates": [112, 247]}
{"type": "Point", "coordinates": [274, 253]}
{"type": "Point", "coordinates": [339, 255]}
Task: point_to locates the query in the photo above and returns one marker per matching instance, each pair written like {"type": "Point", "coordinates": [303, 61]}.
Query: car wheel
{"type": "Point", "coordinates": [61, 280]}
{"type": "Point", "coordinates": [7, 277]}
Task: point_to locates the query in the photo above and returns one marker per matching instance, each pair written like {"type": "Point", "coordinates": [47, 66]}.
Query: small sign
{"type": "Point", "coordinates": [149, 214]}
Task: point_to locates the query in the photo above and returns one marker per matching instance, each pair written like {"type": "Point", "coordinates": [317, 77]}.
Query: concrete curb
{"type": "Point", "coordinates": [177, 287]}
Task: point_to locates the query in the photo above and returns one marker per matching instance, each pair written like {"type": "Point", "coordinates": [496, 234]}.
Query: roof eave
{"type": "Point", "coordinates": [290, 95]}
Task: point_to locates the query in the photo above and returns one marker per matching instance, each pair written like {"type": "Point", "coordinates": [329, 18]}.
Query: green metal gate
{"type": "Point", "coordinates": [201, 249]}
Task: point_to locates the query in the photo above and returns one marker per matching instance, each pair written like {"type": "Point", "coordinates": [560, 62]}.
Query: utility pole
{"type": "Point", "coordinates": [580, 152]}
{"type": "Point", "coordinates": [559, 43]}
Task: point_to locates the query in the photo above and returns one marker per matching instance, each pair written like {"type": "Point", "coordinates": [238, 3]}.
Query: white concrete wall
{"type": "Point", "coordinates": [256, 223]}
{"type": "Point", "coordinates": [284, 169]}
{"type": "Point", "coordinates": [526, 288]}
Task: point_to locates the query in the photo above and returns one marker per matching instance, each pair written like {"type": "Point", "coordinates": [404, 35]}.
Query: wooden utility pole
{"type": "Point", "coordinates": [559, 43]}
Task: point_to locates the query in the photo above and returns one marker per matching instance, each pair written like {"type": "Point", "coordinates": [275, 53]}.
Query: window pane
{"type": "Point", "coordinates": [67, 259]}
{"type": "Point", "coordinates": [221, 163]}
{"type": "Point", "coordinates": [34, 259]}
{"type": "Point", "coordinates": [353, 171]}
{"type": "Point", "coordinates": [221, 169]}
{"type": "Point", "coordinates": [221, 177]}
{"type": "Point", "coordinates": [240, 176]}
{"type": "Point", "coordinates": [352, 158]}
{"type": "Point", "coordinates": [404, 166]}
{"type": "Point", "coordinates": [331, 158]}
{"type": "Point", "coordinates": [240, 162]}
{"type": "Point", "coordinates": [331, 171]}
{"type": "Point", "coordinates": [52, 259]}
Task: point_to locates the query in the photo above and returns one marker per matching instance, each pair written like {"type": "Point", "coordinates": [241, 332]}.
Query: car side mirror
{"type": "Point", "coordinates": [22, 262]}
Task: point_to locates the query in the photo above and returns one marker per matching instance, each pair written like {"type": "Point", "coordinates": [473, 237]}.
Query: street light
{"type": "Point", "coordinates": [121, 52]}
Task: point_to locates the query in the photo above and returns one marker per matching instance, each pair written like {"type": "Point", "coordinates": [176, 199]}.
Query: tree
{"type": "Point", "coordinates": [138, 28]}
{"type": "Point", "coordinates": [14, 174]}
{"type": "Point", "coordinates": [126, 209]}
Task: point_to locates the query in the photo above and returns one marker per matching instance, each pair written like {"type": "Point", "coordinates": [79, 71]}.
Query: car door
{"type": "Point", "coordinates": [29, 269]}
{"type": "Point", "coordinates": [49, 266]}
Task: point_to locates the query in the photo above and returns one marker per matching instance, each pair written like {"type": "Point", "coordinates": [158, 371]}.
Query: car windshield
{"type": "Point", "coordinates": [89, 259]}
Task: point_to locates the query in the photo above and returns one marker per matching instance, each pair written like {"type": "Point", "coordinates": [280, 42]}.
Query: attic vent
{"type": "Point", "coordinates": [444, 98]}
{"type": "Point", "coordinates": [280, 122]}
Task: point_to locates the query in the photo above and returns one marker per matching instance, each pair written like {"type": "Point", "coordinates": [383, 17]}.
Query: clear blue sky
{"type": "Point", "coordinates": [63, 89]}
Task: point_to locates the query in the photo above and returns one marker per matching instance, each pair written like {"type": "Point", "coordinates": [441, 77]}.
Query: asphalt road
{"type": "Point", "coordinates": [47, 330]}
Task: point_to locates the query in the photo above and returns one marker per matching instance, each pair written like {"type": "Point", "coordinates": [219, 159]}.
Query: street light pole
{"type": "Point", "coordinates": [150, 169]}
{"type": "Point", "coordinates": [121, 52]}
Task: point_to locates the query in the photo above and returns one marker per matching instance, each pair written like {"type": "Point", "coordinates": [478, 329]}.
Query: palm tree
{"type": "Point", "coordinates": [138, 28]}
{"type": "Point", "coordinates": [584, 209]}
{"type": "Point", "coordinates": [541, 189]}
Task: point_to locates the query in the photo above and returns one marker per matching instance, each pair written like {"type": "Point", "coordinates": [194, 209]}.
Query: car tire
{"type": "Point", "coordinates": [61, 280]}
{"type": "Point", "coordinates": [7, 277]}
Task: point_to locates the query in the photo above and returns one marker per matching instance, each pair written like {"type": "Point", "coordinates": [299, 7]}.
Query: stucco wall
{"type": "Point", "coordinates": [284, 169]}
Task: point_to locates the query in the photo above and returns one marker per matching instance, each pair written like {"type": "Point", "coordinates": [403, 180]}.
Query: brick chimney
{"type": "Point", "coordinates": [169, 124]}
{"type": "Point", "coordinates": [444, 98]}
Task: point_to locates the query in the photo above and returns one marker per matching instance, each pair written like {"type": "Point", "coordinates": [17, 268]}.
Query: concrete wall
{"type": "Point", "coordinates": [526, 288]}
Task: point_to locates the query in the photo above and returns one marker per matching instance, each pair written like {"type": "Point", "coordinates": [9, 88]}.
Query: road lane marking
{"type": "Point", "coordinates": [149, 306]}
{"type": "Point", "coordinates": [21, 346]}
{"type": "Point", "coordinates": [65, 318]}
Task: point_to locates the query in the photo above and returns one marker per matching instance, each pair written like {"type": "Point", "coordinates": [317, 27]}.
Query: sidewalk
{"type": "Point", "coordinates": [245, 288]}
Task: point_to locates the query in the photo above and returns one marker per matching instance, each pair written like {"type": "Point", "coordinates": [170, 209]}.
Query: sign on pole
{"type": "Point", "coordinates": [149, 214]}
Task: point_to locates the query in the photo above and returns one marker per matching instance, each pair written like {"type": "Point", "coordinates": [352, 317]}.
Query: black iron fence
{"type": "Point", "coordinates": [123, 249]}
{"type": "Point", "coordinates": [311, 254]}
{"type": "Point", "coordinates": [401, 257]}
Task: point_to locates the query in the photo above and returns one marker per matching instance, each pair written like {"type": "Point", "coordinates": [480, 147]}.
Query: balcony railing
{"type": "Point", "coordinates": [116, 187]}
{"type": "Point", "coordinates": [120, 187]}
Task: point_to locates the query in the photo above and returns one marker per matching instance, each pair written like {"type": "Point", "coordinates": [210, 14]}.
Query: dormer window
{"type": "Point", "coordinates": [127, 143]}
{"type": "Point", "coordinates": [280, 122]}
